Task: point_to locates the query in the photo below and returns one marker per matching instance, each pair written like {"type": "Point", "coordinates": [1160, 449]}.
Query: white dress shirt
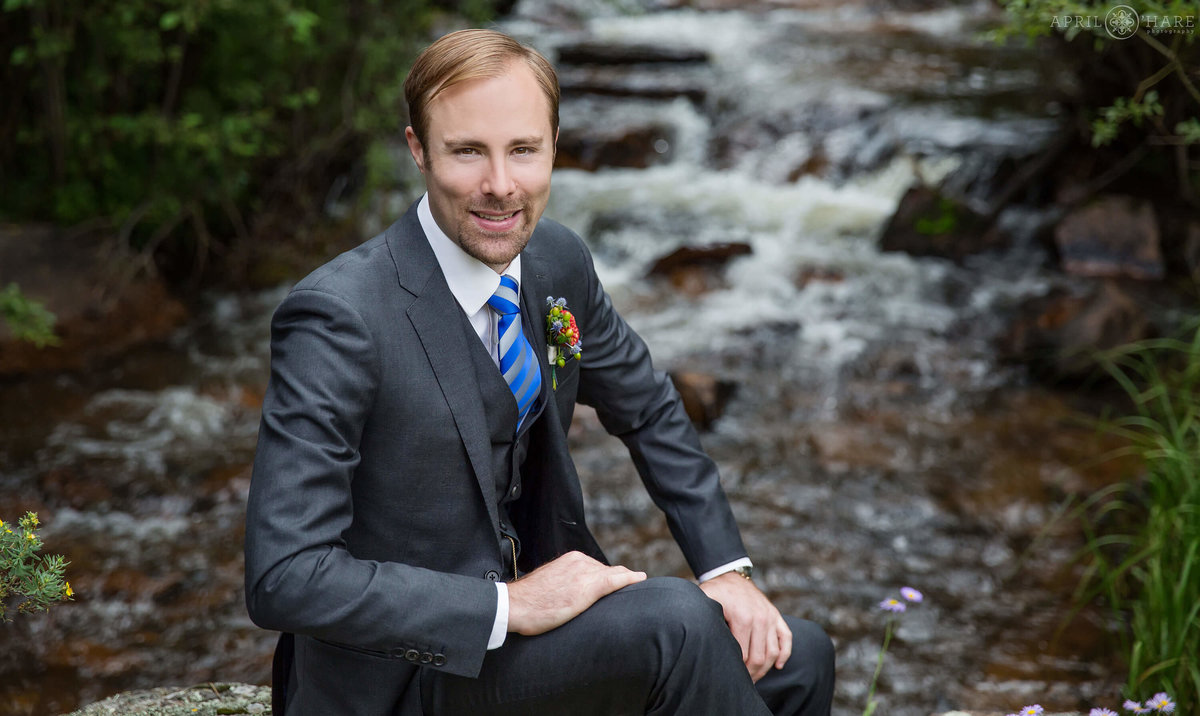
{"type": "Point", "coordinates": [472, 282]}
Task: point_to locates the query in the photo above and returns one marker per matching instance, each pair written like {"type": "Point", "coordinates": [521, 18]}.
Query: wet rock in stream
{"type": "Point", "coordinates": [1111, 236]}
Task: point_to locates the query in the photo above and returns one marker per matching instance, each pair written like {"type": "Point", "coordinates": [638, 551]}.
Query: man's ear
{"type": "Point", "coordinates": [554, 154]}
{"type": "Point", "coordinates": [415, 148]}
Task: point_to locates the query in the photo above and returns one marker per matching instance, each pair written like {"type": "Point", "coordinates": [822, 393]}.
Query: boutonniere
{"type": "Point", "coordinates": [562, 337]}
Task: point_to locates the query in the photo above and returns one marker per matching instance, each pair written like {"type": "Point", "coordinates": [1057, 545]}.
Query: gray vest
{"type": "Point", "coordinates": [508, 448]}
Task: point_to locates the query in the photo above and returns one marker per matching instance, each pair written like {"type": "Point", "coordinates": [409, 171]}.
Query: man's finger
{"type": "Point", "coordinates": [758, 662]}
{"type": "Point", "coordinates": [785, 643]}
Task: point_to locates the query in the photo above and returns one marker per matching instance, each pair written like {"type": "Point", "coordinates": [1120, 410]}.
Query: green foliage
{"type": "Point", "coordinates": [1104, 129]}
{"type": "Point", "coordinates": [28, 320]}
{"type": "Point", "coordinates": [1136, 91]}
{"type": "Point", "coordinates": [944, 222]}
{"type": "Point", "coordinates": [30, 582]}
{"type": "Point", "coordinates": [181, 119]}
{"type": "Point", "coordinates": [1144, 537]}
{"type": "Point", "coordinates": [1189, 130]}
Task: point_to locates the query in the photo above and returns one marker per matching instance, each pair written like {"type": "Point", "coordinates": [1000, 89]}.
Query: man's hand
{"type": "Point", "coordinates": [561, 590]}
{"type": "Point", "coordinates": [757, 625]}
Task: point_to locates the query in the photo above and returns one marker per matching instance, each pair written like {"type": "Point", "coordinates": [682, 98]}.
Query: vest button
{"type": "Point", "coordinates": [492, 575]}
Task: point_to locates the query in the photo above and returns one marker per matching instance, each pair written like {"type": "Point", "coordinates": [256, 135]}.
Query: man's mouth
{"type": "Point", "coordinates": [497, 221]}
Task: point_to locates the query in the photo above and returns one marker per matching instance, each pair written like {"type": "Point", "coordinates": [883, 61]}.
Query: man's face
{"type": "Point", "coordinates": [487, 161]}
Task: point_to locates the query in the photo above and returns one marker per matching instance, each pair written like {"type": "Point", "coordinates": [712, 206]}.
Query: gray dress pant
{"type": "Point", "coordinates": [658, 647]}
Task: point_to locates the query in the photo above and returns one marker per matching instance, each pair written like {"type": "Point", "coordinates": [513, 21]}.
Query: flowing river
{"type": "Point", "coordinates": [872, 439]}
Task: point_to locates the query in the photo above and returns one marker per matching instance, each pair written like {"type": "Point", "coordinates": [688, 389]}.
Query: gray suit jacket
{"type": "Point", "coordinates": [371, 530]}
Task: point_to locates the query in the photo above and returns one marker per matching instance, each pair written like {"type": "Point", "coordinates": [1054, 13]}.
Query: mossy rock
{"type": "Point", "coordinates": [199, 700]}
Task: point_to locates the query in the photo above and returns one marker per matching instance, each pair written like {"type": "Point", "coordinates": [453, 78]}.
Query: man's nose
{"type": "Point", "coordinates": [499, 179]}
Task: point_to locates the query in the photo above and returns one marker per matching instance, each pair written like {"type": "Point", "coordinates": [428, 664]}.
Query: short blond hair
{"type": "Point", "coordinates": [470, 55]}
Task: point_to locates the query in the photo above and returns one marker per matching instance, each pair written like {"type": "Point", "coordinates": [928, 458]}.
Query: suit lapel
{"type": "Point", "coordinates": [436, 318]}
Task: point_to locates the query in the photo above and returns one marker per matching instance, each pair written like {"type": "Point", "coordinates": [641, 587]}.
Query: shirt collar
{"type": "Point", "coordinates": [471, 281]}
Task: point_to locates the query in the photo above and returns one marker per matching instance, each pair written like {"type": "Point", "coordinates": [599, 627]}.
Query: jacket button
{"type": "Point", "coordinates": [412, 655]}
{"type": "Point", "coordinates": [492, 575]}
{"type": "Point", "coordinates": [426, 658]}
{"type": "Point", "coordinates": [439, 659]}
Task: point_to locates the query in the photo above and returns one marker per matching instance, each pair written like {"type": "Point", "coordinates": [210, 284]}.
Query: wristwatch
{"type": "Point", "coordinates": [746, 571]}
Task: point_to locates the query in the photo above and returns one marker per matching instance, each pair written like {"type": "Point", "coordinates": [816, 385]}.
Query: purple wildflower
{"type": "Point", "coordinates": [1134, 706]}
{"type": "Point", "coordinates": [1102, 712]}
{"type": "Point", "coordinates": [911, 594]}
{"type": "Point", "coordinates": [892, 605]}
{"type": "Point", "coordinates": [1161, 703]}
{"type": "Point", "coordinates": [1034, 710]}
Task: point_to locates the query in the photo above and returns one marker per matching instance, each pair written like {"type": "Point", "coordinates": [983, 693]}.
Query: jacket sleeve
{"type": "Point", "coordinates": [300, 576]}
{"type": "Point", "coordinates": [640, 406]}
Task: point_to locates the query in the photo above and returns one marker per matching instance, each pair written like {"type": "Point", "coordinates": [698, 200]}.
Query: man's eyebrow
{"type": "Point", "coordinates": [534, 141]}
{"type": "Point", "coordinates": [528, 141]}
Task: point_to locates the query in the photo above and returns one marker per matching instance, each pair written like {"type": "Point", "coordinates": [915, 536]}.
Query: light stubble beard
{"type": "Point", "coordinates": [496, 250]}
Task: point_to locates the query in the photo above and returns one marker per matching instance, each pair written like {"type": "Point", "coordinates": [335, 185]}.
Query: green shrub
{"type": "Point", "coordinates": [187, 121]}
{"type": "Point", "coordinates": [28, 320]}
{"type": "Point", "coordinates": [1137, 96]}
{"type": "Point", "coordinates": [30, 582]}
{"type": "Point", "coordinates": [1144, 536]}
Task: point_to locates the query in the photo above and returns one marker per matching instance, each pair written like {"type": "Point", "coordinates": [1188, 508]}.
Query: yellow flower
{"type": "Point", "coordinates": [67, 589]}
{"type": "Point", "coordinates": [29, 536]}
{"type": "Point", "coordinates": [33, 518]}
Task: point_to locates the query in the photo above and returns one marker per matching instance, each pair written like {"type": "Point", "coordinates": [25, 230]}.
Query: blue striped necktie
{"type": "Point", "coordinates": [518, 361]}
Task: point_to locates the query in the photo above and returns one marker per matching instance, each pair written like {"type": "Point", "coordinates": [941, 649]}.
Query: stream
{"type": "Point", "coordinates": [872, 440]}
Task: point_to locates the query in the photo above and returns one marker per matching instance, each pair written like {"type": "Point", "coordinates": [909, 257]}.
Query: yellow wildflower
{"type": "Point", "coordinates": [33, 518]}
{"type": "Point", "coordinates": [67, 589]}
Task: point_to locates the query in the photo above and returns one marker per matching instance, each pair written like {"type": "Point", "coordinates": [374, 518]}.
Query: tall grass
{"type": "Point", "coordinates": [1143, 548]}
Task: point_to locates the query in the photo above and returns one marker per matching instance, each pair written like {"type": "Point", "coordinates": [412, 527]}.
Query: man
{"type": "Point", "coordinates": [415, 524]}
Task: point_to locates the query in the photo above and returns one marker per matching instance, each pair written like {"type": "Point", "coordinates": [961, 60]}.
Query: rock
{"type": "Point", "coordinates": [926, 223]}
{"type": "Point", "coordinates": [633, 81]}
{"type": "Point", "coordinates": [100, 312]}
{"type": "Point", "coordinates": [602, 53]}
{"type": "Point", "coordinates": [1058, 334]}
{"type": "Point", "coordinates": [704, 396]}
{"type": "Point", "coordinates": [634, 147]}
{"type": "Point", "coordinates": [1111, 236]}
{"type": "Point", "coordinates": [199, 700]}
{"type": "Point", "coordinates": [691, 269]}
{"type": "Point", "coordinates": [710, 256]}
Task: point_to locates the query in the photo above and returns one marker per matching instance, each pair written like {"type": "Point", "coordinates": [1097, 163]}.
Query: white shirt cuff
{"type": "Point", "coordinates": [743, 562]}
{"type": "Point", "coordinates": [500, 626]}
